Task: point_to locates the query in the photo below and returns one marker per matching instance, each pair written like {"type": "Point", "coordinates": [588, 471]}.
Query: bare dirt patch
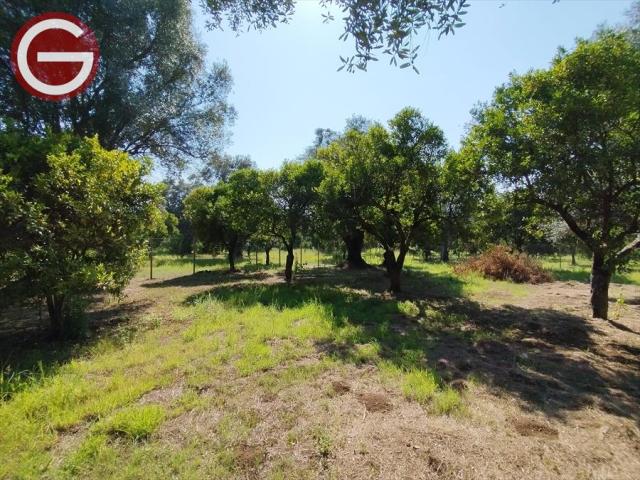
{"type": "Point", "coordinates": [375, 402]}
{"type": "Point", "coordinates": [533, 428]}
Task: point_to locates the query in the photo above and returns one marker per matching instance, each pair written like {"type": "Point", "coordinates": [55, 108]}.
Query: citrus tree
{"type": "Point", "coordinates": [78, 219]}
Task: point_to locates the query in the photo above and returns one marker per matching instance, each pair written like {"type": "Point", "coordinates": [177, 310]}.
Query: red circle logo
{"type": "Point", "coordinates": [54, 56]}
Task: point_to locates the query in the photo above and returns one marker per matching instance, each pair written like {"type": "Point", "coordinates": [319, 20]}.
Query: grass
{"type": "Point", "coordinates": [215, 348]}
{"type": "Point", "coordinates": [135, 422]}
{"type": "Point", "coordinates": [230, 332]}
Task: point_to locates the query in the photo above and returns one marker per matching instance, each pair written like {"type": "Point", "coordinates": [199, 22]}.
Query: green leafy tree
{"type": "Point", "coordinates": [153, 92]}
{"type": "Point", "coordinates": [462, 187]}
{"type": "Point", "coordinates": [336, 203]}
{"type": "Point", "coordinates": [293, 192]}
{"type": "Point", "coordinates": [568, 137]}
{"type": "Point", "coordinates": [78, 220]}
{"type": "Point", "coordinates": [389, 183]}
{"type": "Point", "coordinates": [227, 214]}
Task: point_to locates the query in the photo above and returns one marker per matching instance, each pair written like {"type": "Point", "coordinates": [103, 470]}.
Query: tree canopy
{"type": "Point", "coordinates": [153, 92]}
{"type": "Point", "coordinates": [77, 220]}
{"type": "Point", "coordinates": [386, 182]}
{"type": "Point", "coordinates": [568, 137]}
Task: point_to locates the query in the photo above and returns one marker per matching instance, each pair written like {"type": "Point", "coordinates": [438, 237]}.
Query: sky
{"type": "Point", "coordinates": [286, 84]}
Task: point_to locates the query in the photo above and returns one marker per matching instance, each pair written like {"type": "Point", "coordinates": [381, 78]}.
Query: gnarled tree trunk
{"type": "Point", "coordinates": [600, 280]}
{"type": "Point", "coordinates": [354, 242]}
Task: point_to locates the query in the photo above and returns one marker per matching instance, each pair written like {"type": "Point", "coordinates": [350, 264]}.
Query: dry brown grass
{"type": "Point", "coordinates": [499, 263]}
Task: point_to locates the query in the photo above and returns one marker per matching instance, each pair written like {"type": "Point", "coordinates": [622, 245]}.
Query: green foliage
{"type": "Point", "coordinates": [386, 182]}
{"type": "Point", "coordinates": [568, 138]}
{"type": "Point", "coordinates": [79, 219]}
{"type": "Point", "coordinates": [153, 92]}
{"type": "Point", "coordinates": [293, 193]}
{"type": "Point", "coordinates": [229, 213]}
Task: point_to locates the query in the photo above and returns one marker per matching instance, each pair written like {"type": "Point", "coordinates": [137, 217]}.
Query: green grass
{"type": "Point", "coordinates": [231, 332]}
{"type": "Point", "coordinates": [233, 340]}
{"type": "Point", "coordinates": [562, 269]}
{"type": "Point", "coordinates": [135, 422]}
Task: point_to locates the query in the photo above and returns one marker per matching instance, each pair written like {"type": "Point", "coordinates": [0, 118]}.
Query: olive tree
{"type": "Point", "coordinates": [154, 92]}
{"type": "Point", "coordinates": [568, 138]}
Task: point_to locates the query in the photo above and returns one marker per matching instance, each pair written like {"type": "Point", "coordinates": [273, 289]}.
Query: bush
{"type": "Point", "coordinates": [499, 263]}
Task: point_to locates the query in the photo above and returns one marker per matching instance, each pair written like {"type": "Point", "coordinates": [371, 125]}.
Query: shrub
{"type": "Point", "coordinates": [499, 263]}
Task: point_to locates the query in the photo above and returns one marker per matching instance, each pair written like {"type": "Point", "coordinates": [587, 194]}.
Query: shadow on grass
{"type": "Point", "coordinates": [533, 354]}
{"type": "Point", "coordinates": [207, 277]}
{"type": "Point", "coordinates": [29, 355]}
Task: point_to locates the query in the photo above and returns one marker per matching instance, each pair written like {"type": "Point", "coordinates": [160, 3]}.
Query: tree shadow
{"type": "Point", "coordinates": [29, 354]}
{"type": "Point", "coordinates": [538, 355]}
{"type": "Point", "coordinates": [206, 277]}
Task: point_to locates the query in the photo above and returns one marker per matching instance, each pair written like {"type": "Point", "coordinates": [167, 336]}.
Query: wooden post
{"type": "Point", "coordinates": [150, 260]}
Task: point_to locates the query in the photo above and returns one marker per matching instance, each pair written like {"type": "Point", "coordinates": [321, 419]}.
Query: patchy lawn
{"type": "Point", "coordinates": [241, 376]}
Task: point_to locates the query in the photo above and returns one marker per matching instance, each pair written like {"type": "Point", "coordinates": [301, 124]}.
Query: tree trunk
{"type": "Point", "coordinates": [55, 305]}
{"type": "Point", "coordinates": [600, 279]}
{"type": "Point", "coordinates": [232, 260]}
{"type": "Point", "coordinates": [267, 260]}
{"type": "Point", "coordinates": [288, 268]}
{"type": "Point", "coordinates": [573, 255]}
{"type": "Point", "coordinates": [393, 270]}
{"type": "Point", "coordinates": [232, 250]}
{"type": "Point", "coordinates": [444, 246]}
{"type": "Point", "coordinates": [354, 242]}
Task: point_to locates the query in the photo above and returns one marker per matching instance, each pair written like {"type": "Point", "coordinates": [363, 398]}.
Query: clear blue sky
{"type": "Point", "coordinates": [286, 84]}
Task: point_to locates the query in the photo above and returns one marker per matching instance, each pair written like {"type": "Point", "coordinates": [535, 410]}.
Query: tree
{"type": "Point", "coordinates": [219, 167]}
{"type": "Point", "coordinates": [293, 192]}
{"type": "Point", "coordinates": [462, 187]}
{"type": "Point", "coordinates": [77, 221]}
{"type": "Point", "coordinates": [390, 28]}
{"type": "Point", "coordinates": [227, 214]}
{"type": "Point", "coordinates": [153, 93]}
{"type": "Point", "coordinates": [336, 205]}
{"type": "Point", "coordinates": [388, 183]}
{"type": "Point", "coordinates": [568, 138]}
